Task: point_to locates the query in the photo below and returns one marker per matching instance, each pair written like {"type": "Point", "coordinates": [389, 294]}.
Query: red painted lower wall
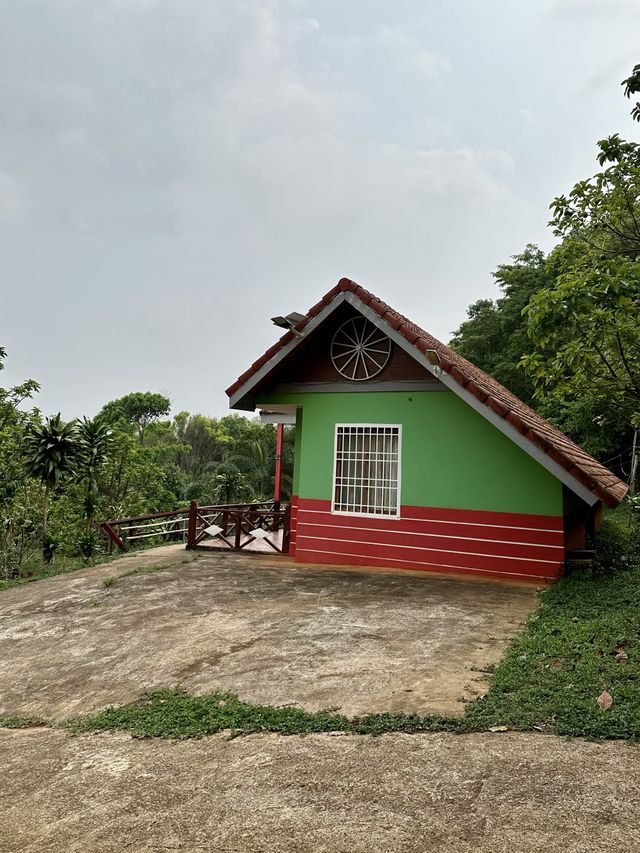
{"type": "Point", "coordinates": [294, 524]}
{"type": "Point", "coordinates": [495, 544]}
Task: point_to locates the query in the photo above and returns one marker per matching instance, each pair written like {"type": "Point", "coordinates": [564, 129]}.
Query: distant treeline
{"type": "Point", "coordinates": [59, 480]}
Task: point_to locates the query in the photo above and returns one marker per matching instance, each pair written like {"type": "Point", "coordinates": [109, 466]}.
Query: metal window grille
{"type": "Point", "coordinates": [367, 470]}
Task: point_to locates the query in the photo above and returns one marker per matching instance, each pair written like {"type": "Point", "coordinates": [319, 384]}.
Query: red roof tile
{"type": "Point", "coordinates": [543, 435]}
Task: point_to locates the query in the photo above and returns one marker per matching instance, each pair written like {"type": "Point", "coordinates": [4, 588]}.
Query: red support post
{"type": "Point", "coordinates": [193, 522]}
{"type": "Point", "coordinates": [277, 489]}
{"type": "Point", "coordinates": [286, 530]}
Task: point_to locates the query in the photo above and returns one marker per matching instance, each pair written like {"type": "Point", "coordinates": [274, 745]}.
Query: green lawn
{"type": "Point", "coordinates": [583, 639]}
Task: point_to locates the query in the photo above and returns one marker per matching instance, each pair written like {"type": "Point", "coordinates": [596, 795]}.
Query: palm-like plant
{"type": "Point", "coordinates": [231, 486]}
{"type": "Point", "coordinates": [257, 465]}
{"type": "Point", "coordinates": [94, 442]}
{"type": "Point", "coordinates": [50, 450]}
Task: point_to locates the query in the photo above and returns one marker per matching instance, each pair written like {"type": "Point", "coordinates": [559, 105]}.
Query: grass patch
{"type": "Point", "coordinates": [176, 714]}
{"type": "Point", "coordinates": [62, 565]}
{"type": "Point", "coordinates": [143, 570]}
{"type": "Point", "coordinates": [20, 722]}
{"type": "Point", "coordinates": [583, 639]}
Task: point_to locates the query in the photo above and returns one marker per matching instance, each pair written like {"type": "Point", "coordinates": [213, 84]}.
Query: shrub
{"type": "Point", "coordinates": [616, 546]}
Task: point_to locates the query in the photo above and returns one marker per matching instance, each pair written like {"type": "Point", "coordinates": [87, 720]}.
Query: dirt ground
{"type": "Point", "coordinates": [486, 793]}
{"type": "Point", "coordinates": [265, 628]}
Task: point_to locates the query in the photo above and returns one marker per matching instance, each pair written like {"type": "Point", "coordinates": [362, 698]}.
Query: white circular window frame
{"type": "Point", "coordinates": [365, 345]}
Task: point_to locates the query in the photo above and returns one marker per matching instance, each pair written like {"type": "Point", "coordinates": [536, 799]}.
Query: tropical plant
{"type": "Point", "coordinates": [94, 443]}
{"type": "Point", "coordinates": [231, 486]}
{"type": "Point", "coordinates": [50, 451]}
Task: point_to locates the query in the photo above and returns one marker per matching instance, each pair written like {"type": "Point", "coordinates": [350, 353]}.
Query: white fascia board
{"type": "Point", "coordinates": [494, 418]}
{"type": "Point", "coordinates": [266, 368]}
{"type": "Point", "coordinates": [278, 418]}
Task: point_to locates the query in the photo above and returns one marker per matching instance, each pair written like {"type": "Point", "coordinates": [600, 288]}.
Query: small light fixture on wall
{"type": "Point", "coordinates": [289, 322]}
{"type": "Point", "coordinates": [433, 358]}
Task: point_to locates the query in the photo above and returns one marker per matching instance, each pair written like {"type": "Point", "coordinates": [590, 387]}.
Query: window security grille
{"type": "Point", "coordinates": [367, 470]}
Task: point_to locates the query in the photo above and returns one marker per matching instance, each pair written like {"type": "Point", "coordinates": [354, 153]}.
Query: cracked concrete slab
{"type": "Point", "coordinates": [440, 793]}
{"type": "Point", "coordinates": [272, 631]}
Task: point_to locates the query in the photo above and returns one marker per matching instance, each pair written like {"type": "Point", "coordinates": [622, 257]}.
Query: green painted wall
{"type": "Point", "coordinates": [451, 456]}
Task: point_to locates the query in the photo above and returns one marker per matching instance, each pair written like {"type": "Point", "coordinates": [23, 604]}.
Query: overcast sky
{"type": "Point", "coordinates": [175, 172]}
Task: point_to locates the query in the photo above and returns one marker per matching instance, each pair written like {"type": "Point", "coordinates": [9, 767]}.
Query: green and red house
{"type": "Point", "coordinates": [409, 456]}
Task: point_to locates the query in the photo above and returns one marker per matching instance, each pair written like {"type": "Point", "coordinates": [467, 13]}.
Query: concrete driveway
{"type": "Point", "coordinates": [269, 630]}
{"type": "Point", "coordinates": [479, 793]}
{"type": "Point", "coordinates": [277, 633]}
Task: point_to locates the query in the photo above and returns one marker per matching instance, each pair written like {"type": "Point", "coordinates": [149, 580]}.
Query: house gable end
{"type": "Point", "coordinates": [443, 368]}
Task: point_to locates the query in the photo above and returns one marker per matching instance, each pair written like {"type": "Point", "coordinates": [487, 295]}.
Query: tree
{"type": "Point", "coordinates": [50, 451]}
{"type": "Point", "coordinates": [203, 440]}
{"type": "Point", "coordinates": [139, 409]}
{"type": "Point", "coordinates": [632, 87]}
{"type": "Point", "coordinates": [94, 442]}
{"type": "Point", "coordinates": [495, 336]}
{"type": "Point", "coordinates": [586, 325]}
{"type": "Point", "coordinates": [20, 497]}
{"type": "Point", "coordinates": [602, 212]}
{"type": "Point", "coordinates": [10, 398]}
{"type": "Point", "coordinates": [590, 322]}
{"type": "Point", "coordinates": [231, 486]}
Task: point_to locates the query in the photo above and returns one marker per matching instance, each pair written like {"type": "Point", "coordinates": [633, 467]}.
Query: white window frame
{"type": "Point", "coordinates": [335, 511]}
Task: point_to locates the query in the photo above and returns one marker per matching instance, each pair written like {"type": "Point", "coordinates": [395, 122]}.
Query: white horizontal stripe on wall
{"type": "Point", "coordinates": [423, 548]}
{"type": "Point", "coordinates": [442, 521]}
{"type": "Point", "coordinates": [435, 565]}
{"type": "Point", "coordinates": [433, 535]}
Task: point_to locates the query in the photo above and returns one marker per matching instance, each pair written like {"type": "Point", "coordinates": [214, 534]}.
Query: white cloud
{"type": "Point", "coordinates": [186, 160]}
{"type": "Point", "coordinates": [13, 199]}
{"type": "Point", "coordinates": [528, 116]}
{"type": "Point", "coordinates": [581, 8]}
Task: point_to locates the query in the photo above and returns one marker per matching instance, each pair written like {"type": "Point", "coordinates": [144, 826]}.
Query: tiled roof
{"type": "Point", "coordinates": [594, 476]}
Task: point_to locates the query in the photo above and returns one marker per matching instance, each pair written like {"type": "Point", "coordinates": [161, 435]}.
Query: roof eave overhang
{"type": "Point", "coordinates": [238, 400]}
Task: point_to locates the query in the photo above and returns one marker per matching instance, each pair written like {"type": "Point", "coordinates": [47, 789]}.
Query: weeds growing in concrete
{"type": "Point", "coordinates": [139, 570]}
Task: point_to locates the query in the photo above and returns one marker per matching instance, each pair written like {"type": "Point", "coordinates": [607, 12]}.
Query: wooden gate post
{"type": "Point", "coordinates": [113, 536]}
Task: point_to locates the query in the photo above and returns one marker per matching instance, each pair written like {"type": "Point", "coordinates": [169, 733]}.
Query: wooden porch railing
{"type": "Point", "coordinates": [235, 526]}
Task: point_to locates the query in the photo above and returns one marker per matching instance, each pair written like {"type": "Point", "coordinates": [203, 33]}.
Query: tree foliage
{"type": "Point", "coordinates": [632, 87]}
{"type": "Point", "coordinates": [139, 409]}
{"type": "Point", "coordinates": [589, 322]}
{"type": "Point", "coordinates": [50, 450]}
{"type": "Point", "coordinates": [58, 481]}
{"type": "Point", "coordinates": [495, 336]}
{"type": "Point", "coordinates": [602, 211]}
{"type": "Point", "coordinates": [565, 336]}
